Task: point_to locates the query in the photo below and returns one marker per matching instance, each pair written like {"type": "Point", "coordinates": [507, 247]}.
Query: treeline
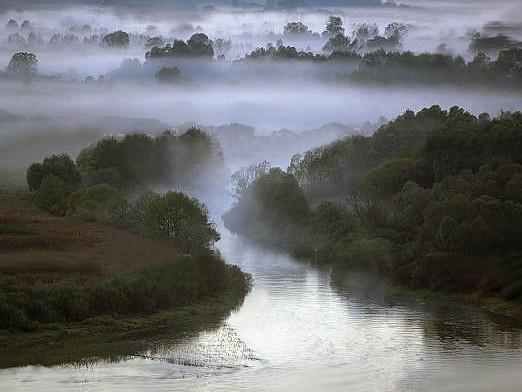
{"type": "Point", "coordinates": [129, 165]}
{"type": "Point", "coordinates": [434, 68]}
{"type": "Point", "coordinates": [387, 67]}
{"type": "Point", "coordinates": [432, 200]}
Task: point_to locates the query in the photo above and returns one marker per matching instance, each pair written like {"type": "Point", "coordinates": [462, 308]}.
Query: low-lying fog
{"type": "Point", "coordinates": [431, 24]}
{"type": "Point", "coordinates": [65, 113]}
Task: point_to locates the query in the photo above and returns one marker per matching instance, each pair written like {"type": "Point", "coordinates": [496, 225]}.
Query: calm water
{"type": "Point", "coordinates": [296, 331]}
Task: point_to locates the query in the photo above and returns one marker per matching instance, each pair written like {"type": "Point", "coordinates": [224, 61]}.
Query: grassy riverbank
{"type": "Point", "coordinates": [71, 288]}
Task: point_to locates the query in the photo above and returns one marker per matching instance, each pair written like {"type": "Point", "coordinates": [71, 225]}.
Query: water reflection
{"type": "Point", "coordinates": [298, 331]}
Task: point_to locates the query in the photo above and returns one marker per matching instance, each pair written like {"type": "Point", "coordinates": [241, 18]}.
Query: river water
{"type": "Point", "coordinates": [296, 331]}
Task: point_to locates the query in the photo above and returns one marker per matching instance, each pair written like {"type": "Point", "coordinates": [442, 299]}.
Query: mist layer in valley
{"type": "Point", "coordinates": [87, 86]}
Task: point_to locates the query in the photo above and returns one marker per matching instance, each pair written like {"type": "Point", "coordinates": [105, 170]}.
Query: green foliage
{"type": "Point", "coordinates": [388, 178]}
{"type": "Point", "coordinates": [139, 161]}
{"type": "Point", "coordinates": [432, 199]}
{"type": "Point", "coordinates": [274, 202]}
{"type": "Point", "coordinates": [177, 217]}
{"type": "Point", "coordinates": [52, 195]}
{"type": "Point", "coordinates": [52, 181]}
{"type": "Point", "coordinates": [182, 282]}
{"type": "Point", "coordinates": [172, 216]}
{"type": "Point", "coordinates": [60, 166]}
{"type": "Point", "coordinates": [98, 202]}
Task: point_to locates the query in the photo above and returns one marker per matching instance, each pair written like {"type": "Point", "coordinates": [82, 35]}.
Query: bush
{"type": "Point", "coordinates": [97, 202]}
{"type": "Point", "coordinates": [60, 166]}
{"type": "Point", "coordinates": [52, 195]}
{"type": "Point", "coordinates": [184, 281]}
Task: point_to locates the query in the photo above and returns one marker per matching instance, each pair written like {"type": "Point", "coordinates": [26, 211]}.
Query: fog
{"type": "Point", "coordinates": [62, 111]}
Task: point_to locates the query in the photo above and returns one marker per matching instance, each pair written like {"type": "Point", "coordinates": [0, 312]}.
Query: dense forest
{"type": "Point", "coordinates": [431, 200]}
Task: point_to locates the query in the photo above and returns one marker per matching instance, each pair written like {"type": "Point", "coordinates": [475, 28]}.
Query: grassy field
{"type": "Point", "coordinates": [71, 289]}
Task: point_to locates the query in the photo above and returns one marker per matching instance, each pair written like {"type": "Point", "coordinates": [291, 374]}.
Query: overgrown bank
{"type": "Point", "coordinates": [108, 253]}
{"type": "Point", "coordinates": [431, 201]}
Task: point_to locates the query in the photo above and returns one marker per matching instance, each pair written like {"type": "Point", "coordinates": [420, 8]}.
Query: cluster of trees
{"type": "Point", "coordinates": [365, 37]}
{"type": "Point", "coordinates": [97, 186]}
{"type": "Point", "coordinates": [23, 65]}
{"type": "Point", "coordinates": [198, 46]}
{"type": "Point", "coordinates": [427, 68]}
{"type": "Point", "coordinates": [492, 44]}
{"type": "Point", "coordinates": [433, 199]}
{"type": "Point", "coordinates": [140, 161]}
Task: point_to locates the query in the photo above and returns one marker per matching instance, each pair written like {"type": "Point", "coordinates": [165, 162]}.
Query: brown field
{"type": "Point", "coordinates": [38, 247]}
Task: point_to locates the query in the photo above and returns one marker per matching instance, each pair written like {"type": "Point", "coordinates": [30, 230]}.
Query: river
{"type": "Point", "coordinates": [296, 331]}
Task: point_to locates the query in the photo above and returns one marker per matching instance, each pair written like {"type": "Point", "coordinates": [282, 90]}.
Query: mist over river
{"type": "Point", "coordinates": [259, 84]}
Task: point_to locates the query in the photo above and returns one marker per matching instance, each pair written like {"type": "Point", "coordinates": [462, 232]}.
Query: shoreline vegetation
{"type": "Point", "coordinates": [430, 202]}
{"type": "Point", "coordinates": [90, 256]}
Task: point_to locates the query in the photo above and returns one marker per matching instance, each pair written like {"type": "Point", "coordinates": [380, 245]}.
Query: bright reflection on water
{"type": "Point", "coordinates": [296, 331]}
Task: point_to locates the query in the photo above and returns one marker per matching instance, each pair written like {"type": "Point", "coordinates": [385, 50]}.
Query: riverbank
{"type": "Point", "coordinates": [113, 337]}
{"type": "Point", "coordinates": [71, 289]}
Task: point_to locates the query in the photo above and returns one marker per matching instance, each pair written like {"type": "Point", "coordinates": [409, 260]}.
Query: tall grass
{"type": "Point", "coordinates": [154, 288]}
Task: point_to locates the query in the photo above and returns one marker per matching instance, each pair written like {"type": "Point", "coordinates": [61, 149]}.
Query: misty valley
{"type": "Point", "coordinates": [261, 195]}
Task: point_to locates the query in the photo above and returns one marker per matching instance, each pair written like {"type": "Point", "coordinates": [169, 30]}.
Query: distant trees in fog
{"type": "Point", "coordinates": [198, 46]}
{"type": "Point", "coordinates": [486, 44]}
{"type": "Point", "coordinates": [333, 27]}
{"type": "Point", "coordinates": [22, 65]}
{"type": "Point", "coordinates": [167, 74]}
{"type": "Point", "coordinates": [117, 39]}
{"type": "Point", "coordinates": [222, 46]}
{"type": "Point", "coordinates": [297, 29]}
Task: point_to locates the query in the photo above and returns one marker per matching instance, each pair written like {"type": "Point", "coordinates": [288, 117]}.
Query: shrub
{"type": "Point", "coordinates": [97, 202]}
{"type": "Point", "coordinates": [52, 195]}
{"type": "Point", "coordinates": [60, 166]}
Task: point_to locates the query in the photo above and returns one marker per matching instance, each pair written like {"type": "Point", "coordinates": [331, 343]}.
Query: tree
{"type": "Point", "coordinates": [52, 195]}
{"type": "Point", "coordinates": [389, 178]}
{"type": "Point", "coordinates": [167, 74]}
{"type": "Point", "coordinates": [97, 202]}
{"type": "Point", "coordinates": [395, 31]}
{"type": "Point", "coordinates": [179, 218]}
{"type": "Point", "coordinates": [340, 43]}
{"type": "Point", "coordinates": [333, 27]}
{"type": "Point", "coordinates": [366, 31]}
{"type": "Point", "coordinates": [222, 46]}
{"type": "Point", "coordinates": [200, 45]}
{"type": "Point", "coordinates": [117, 39]}
{"type": "Point", "coordinates": [296, 29]}
{"type": "Point", "coordinates": [59, 166]}
{"type": "Point", "coordinates": [23, 65]}
{"type": "Point", "coordinates": [246, 176]}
